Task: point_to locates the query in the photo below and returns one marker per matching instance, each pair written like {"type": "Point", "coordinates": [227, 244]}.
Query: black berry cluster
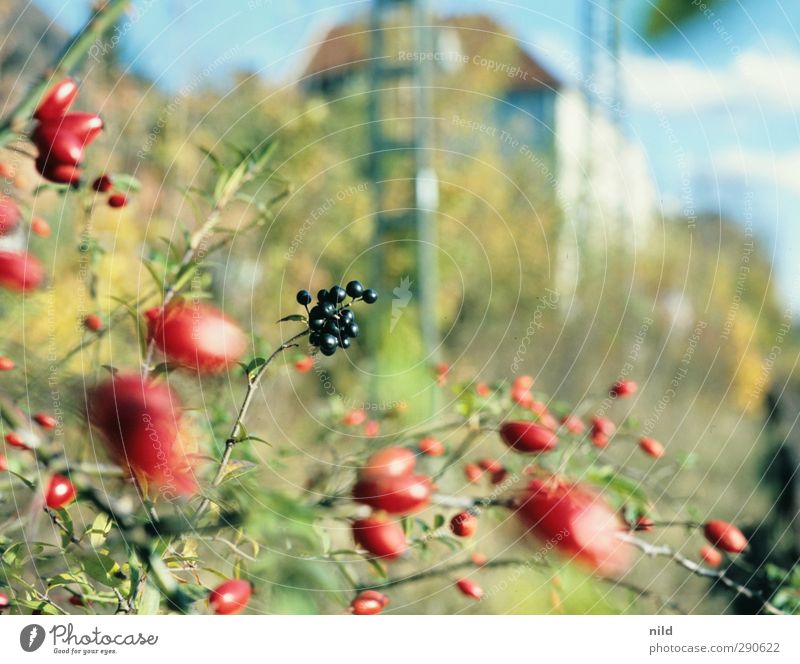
{"type": "Point", "coordinates": [331, 321]}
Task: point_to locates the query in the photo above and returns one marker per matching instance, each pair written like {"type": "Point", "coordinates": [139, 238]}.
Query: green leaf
{"type": "Point", "coordinates": [438, 521]}
{"type": "Point", "coordinates": [99, 530]}
{"type": "Point", "coordinates": [151, 600]}
{"type": "Point", "coordinates": [299, 318]}
{"type": "Point", "coordinates": [237, 469]}
{"type": "Point", "coordinates": [380, 570]}
{"type": "Point", "coordinates": [126, 181]}
{"type": "Point", "coordinates": [101, 567]}
{"type": "Point", "coordinates": [29, 483]}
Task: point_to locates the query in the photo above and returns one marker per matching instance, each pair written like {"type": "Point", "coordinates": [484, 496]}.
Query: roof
{"type": "Point", "coordinates": [344, 49]}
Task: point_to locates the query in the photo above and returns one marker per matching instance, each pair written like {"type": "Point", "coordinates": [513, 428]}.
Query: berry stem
{"type": "Point", "coordinates": [443, 571]}
{"type": "Point", "coordinates": [696, 568]}
{"type": "Point", "coordinates": [238, 424]}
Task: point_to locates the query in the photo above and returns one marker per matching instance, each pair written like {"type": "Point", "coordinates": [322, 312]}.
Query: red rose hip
{"type": "Point", "coordinates": [464, 524]}
{"type": "Point", "coordinates": [528, 437]}
{"type": "Point", "coordinates": [380, 536]}
{"type": "Point", "coordinates": [725, 536]}
{"type": "Point", "coordinates": [60, 492]}
{"type": "Point", "coordinates": [230, 597]}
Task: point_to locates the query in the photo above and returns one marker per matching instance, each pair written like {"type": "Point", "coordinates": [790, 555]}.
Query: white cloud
{"type": "Point", "coordinates": [784, 168]}
{"type": "Point", "coordinates": [753, 77]}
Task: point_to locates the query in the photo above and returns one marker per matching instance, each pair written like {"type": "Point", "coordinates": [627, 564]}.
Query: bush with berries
{"type": "Point", "coordinates": [156, 513]}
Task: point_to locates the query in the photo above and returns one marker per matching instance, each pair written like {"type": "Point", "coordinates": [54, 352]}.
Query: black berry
{"type": "Point", "coordinates": [322, 296]}
{"type": "Point", "coordinates": [352, 330]}
{"type": "Point", "coordinates": [355, 289]}
{"type": "Point", "coordinates": [337, 294]}
{"type": "Point", "coordinates": [370, 296]}
{"type": "Point", "coordinates": [303, 297]}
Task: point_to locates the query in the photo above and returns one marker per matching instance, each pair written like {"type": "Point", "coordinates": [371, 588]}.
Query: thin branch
{"type": "Point", "coordinates": [441, 571]}
{"type": "Point", "coordinates": [238, 425]}
{"type": "Point", "coordinates": [646, 592]}
{"type": "Point", "coordinates": [699, 570]}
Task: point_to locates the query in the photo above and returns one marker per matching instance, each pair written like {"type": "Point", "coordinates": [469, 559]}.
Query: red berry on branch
{"type": "Point", "coordinates": [197, 336]}
{"type": "Point", "coordinates": [528, 437]}
{"type": "Point", "coordinates": [3, 463]}
{"type": "Point", "coordinates": [483, 390]}
{"type": "Point", "coordinates": [354, 418]}
{"type": "Point", "coordinates": [388, 462]}
{"type": "Point", "coordinates": [710, 555]}
{"type": "Point", "coordinates": [6, 363]}
{"type": "Point", "coordinates": [230, 597]}
{"type": "Point", "coordinates": [499, 476]}
{"type": "Point", "coordinates": [103, 184]}
{"type": "Point", "coordinates": [603, 425]}
{"type": "Point", "coordinates": [84, 126]}
{"type": "Point", "coordinates": [4, 601]}
{"type": "Point", "coordinates": [490, 465]}
{"type": "Point", "coordinates": [522, 397]}
{"type": "Point", "coordinates": [304, 364]}
{"type": "Point", "coordinates": [470, 588]}
{"type": "Point", "coordinates": [381, 537]}
{"type": "Point", "coordinates": [40, 227]}
{"type": "Point", "coordinates": [93, 323]}
{"type": "Point", "coordinates": [45, 421]}
{"type": "Point", "coordinates": [60, 492]}
{"type": "Point", "coordinates": [522, 383]}
{"type": "Point", "coordinates": [372, 428]}
{"type": "Point", "coordinates": [573, 424]}
{"type": "Point", "coordinates": [599, 439]}
{"type": "Point", "coordinates": [20, 272]}
{"type": "Point", "coordinates": [396, 495]}
{"type": "Point", "coordinates": [369, 603]}
{"type": "Point", "coordinates": [472, 472]}
{"type": "Point", "coordinates": [7, 171]}
{"type": "Point", "coordinates": [117, 200]}
{"type": "Point", "coordinates": [57, 145]}
{"type": "Point", "coordinates": [432, 447]}
{"type": "Point", "coordinates": [56, 102]}
{"type": "Point", "coordinates": [58, 172]}
{"type": "Point", "coordinates": [577, 521]}
{"type": "Point", "coordinates": [623, 388]}
{"type": "Point", "coordinates": [9, 214]}
{"type": "Point", "coordinates": [15, 440]}
{"type": "Point", "coordinates": [479, 559]}
{"type": "Point", "coordinates": [464, 524]}
{"type": "Point", "coordinates": [651, 447]}
{"type": "Point", "coordinates": [725, 536]}
{"type": "Point", "coordinates": [141, 423]}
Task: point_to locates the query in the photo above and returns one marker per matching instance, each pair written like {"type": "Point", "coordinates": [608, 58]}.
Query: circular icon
{"type": "Point", "coordinates": [31, 637]}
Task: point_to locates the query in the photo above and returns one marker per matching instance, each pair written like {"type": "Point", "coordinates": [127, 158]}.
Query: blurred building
{"type": "Point", "coordinates": [501, 89]}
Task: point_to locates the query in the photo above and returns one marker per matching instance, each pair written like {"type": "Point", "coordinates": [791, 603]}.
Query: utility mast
{"type": "Point", "coordinates": [405, 185]}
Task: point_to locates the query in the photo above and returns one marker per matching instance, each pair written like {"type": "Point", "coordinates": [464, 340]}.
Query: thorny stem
{"type": "Point", "coordinates": [647, 593]}
{"type": "Point", "coordinates": [196, 242]}
{"type": "Point", "coordinates": [699, 570]}
{"type": "Point", "coordinates": [236, 431]}
{"type": "Point", "coordinates": [440, 571]}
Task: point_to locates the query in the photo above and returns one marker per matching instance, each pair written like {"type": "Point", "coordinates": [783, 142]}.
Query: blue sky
{"type": "Point", "coordinates": [727, 86]}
